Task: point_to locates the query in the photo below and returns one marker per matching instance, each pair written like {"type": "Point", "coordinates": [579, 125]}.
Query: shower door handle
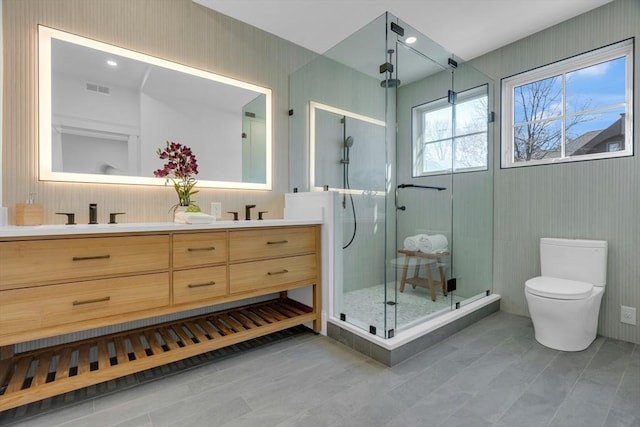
{"type": "Point", "coordinates": [400, 208]}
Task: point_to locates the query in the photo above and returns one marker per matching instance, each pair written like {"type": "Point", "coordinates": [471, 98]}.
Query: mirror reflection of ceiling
{"type": "Point", "coordinates": [88, 64]}
{"type": "Point", "coordinates": [468, 28]}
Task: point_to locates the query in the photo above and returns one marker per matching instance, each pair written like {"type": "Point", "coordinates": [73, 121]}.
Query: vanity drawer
{"type": "Point", "coordinates": [29, 263]}
{"type": "Point", "coordinates": [191, 250]}
{"type": "Point", "coordinates": [271, 243]}
{"type": "Point", "coordinates": [250, 276]}
{"type": "Point", "coordinates": [46, 306]}
{"type": "Point", "coordinates": [199, 284]}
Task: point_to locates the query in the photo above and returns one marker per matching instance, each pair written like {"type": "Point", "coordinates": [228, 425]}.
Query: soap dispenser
{"type": "Point", "coordinates": [29, 213]}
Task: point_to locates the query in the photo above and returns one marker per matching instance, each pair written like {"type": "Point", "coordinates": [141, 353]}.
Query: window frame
{"type": "Point", "coordinates": [437, 104]}
{"type": "Point", "coordinates": [624, 48]}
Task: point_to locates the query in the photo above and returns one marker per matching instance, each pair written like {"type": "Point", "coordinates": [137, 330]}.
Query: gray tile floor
{"type": "Point", "coordinates": [492, 373]}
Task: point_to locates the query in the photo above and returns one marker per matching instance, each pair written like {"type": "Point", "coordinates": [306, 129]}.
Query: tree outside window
{"type": "Point", "coordinates": [573, 110]}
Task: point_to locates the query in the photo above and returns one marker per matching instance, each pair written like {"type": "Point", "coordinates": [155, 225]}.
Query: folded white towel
{"type": "Point", "coordinates": [436, 243]}
{"type": "Point", "coordinates": [411, 243]}
{"type": "Point", "coordinates": [193, 218]}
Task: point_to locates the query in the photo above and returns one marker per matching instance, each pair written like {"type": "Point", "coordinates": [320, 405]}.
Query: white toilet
{"type": "Point", "coordinates": [565, 300]}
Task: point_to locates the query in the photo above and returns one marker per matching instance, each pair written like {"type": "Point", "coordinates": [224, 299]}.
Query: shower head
{"type": "Point", "coordinates": [387, 67]}
{"type": "Point", "coordinates": [348, 142]}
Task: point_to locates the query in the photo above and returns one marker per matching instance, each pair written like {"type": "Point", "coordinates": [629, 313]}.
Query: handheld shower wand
{"type": "Point", "coordinates": [347, 143]}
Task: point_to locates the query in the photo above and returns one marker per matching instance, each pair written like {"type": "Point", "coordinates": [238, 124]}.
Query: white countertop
{"type": "Point", "coordinates": [64, 230]}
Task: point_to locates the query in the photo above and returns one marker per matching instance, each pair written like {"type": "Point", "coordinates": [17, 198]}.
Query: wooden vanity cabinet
{"type": "Point", "coordinates": [55, 285]}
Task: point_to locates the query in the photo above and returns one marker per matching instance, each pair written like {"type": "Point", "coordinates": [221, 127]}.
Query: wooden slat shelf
{"type": "Point", "coordinates": [37, 375]}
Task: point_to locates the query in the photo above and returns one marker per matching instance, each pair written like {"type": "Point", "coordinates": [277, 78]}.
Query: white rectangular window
{"type": "Point", "coordinates": [451, 137]}
{"type": "Point", "coordinates": [576, 109]}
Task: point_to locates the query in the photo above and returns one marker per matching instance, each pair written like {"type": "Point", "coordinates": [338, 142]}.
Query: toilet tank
{"type": "Point", "coordinates": [574, 259]}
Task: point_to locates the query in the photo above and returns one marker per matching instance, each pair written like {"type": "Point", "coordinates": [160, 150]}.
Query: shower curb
{"type": "Point", "coordinates": [391, 357]}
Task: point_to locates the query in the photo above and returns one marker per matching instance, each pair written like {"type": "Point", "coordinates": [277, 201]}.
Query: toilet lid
{"type": "Point", "coordinates": [551, 287]}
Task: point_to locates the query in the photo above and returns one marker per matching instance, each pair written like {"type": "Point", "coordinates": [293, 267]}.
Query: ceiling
{"type": "Point", "coordinates": [467, 28]}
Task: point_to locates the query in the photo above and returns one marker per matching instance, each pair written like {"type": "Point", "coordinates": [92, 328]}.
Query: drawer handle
{"type": "Point", "coordinates": [85, 258]}
{"type": "Point", "coordinates": [208, 248]}
{"type": "Point", "coordinates": [91, 301]}
{"type": "Point", "coordinates": [199, 285]}
{"type": "Point", "coordinates": [273, 273]}
{"type": "Point", "coordinates": [277, 242]}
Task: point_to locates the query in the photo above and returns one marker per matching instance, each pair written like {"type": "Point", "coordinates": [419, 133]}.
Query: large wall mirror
{"type": "Point", "coordinates": [105, 110]}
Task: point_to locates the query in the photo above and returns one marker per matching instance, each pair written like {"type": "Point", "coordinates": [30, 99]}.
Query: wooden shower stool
{"type": "Point", "coordinates": [423, 258]}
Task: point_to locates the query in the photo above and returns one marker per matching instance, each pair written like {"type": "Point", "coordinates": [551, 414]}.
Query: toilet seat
{"type": "Point", "coordinates": [552, 287]}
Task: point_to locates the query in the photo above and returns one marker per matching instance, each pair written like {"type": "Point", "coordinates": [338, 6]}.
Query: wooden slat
{"type": "Point", "coordinates": [168, 339]}
{"type": "Point", "coordinates": [62, 371]}
{"type": "Point", "coordinates": [138, 350]}
{"type": "Point", "coordinates": [232, 322]}
{"type": "Point", "coordinates": [247, 324]}
{"type": "Point", "coordinates": [284, 310]}
{"type": "Point", "coordinates": [103, 354]}
{"type": "Point", "coordinates": [264, 315]}
{"type": "Point", "coordinates": [44, 362]}
{"type": "Point", "coordinates": [83, 359]}
{"type": "Point", "coordinates": [186, 340]}
{"type": "Point", "coordinates": [18, 377]}
{"type": "Point", "coordinates": [196, 331]}
{"type": "Point", "coordinates": [213, 333]}
{"type": "Point", "coordinates": [121, 350]}
{"type": "Point", "coordinates": [274, 313]}
{"type": "Point", "coordinates": [221, 326]}
{"type": "Point", "coordinates": [155, 346]}
{"type": "Point", "coordinates": [299, 307]}
{"type": "Point", "coordinates": [256, 319]}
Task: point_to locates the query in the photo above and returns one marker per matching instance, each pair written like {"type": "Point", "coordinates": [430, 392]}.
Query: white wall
{"type": "Point", "coordinates": [217, 133]}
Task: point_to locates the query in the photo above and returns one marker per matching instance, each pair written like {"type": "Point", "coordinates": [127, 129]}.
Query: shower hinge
{"type": "Point", "coordinates": [397, 29]}
{"type": "Point", "coordinates": [451, 285]}
{"type": "Point", "coordinates": [458, 305]}
{"type": "Point", "coordinates": [390, 333]}
{"type": "Point", "coordinates": [387, 66]}
{"type": "Point", "coordinates": [372, 329]}
{"type": "Point", "coordinates": [492, 117]}
{"type": "Point", "coordinates": [291, 112]}
{"type": "Point", "coordinates": [488, 292]}
{"type": "Point", "coordinates": [343, 317]}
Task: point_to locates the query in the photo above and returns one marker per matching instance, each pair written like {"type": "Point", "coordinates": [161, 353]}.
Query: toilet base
{"type": "Point", "coordinates": [566, 325]}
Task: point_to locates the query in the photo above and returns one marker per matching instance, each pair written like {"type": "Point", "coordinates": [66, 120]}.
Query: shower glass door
{"type": "Point", "coordinates": [397, 127]}
{"type": "Point", "coordinates": [423, 258]}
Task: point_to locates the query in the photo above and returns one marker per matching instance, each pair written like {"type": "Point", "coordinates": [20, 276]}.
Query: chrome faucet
{"type": "Point", "coordinates": [247, 211]}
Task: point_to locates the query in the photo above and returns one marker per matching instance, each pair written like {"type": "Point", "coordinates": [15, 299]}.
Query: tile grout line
{"type": "Point", "coordinates": [529, 384]}
{"type": "Point", "coordinates": [576, 382]}
{"type": "Point", "coordinates": [624, 373]}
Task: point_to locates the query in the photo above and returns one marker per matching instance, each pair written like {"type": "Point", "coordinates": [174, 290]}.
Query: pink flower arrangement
{"type": "Point", "coordinates": [180, 167]}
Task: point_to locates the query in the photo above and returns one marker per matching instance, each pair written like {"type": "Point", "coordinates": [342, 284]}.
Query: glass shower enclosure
{"type": "Point", "coordinates": [401, 130]}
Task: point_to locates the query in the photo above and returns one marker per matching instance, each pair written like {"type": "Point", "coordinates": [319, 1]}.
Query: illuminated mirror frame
{"type": "Point", "coordinates": [313, 106]}
{"type": "Point", "coordinates": [45, 36]}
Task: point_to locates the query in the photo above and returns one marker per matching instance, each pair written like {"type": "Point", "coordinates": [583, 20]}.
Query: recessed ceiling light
{"type": "Point", "coordinates": [410, 40]}
{"type": "Point", "coordinates": [112, 63]}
